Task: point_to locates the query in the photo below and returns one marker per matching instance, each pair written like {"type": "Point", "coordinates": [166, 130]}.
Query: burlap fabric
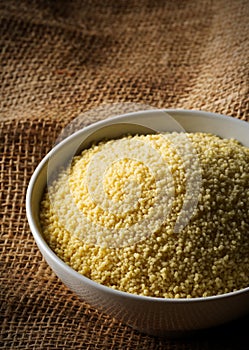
{"type": "Point", "coordinates": [63, 58]}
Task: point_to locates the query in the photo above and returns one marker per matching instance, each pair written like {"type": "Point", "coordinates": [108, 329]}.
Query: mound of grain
{"type": "Point", "coordinates": [209, 255]}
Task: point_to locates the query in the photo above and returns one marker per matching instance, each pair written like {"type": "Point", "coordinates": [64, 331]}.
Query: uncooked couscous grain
{"type": "Point", "coordinates": [208, 256]}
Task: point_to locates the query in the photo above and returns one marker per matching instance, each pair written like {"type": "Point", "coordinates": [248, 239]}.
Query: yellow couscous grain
{"type": "Point", "coordinates": [208, 255]}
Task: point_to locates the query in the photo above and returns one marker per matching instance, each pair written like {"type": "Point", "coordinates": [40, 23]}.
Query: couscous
{"type": "Point", "coordinates": [122, 232]}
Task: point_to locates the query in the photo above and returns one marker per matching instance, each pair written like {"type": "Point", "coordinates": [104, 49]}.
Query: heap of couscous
{"type": "Point", "coordinates": [209, 252]}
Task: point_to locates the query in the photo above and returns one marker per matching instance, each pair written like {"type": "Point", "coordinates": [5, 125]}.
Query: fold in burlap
{"type": "Point", "coordinates": [63, 58]}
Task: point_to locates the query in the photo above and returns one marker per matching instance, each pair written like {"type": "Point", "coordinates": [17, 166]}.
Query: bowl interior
{"type": "Point", "coordinates": [132, 123]}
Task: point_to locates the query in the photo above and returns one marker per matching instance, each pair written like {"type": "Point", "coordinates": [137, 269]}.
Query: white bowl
{"type": "Point", "coordinates": [157, 316]}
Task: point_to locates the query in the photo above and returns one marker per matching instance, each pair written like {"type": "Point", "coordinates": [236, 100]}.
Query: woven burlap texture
{"type": "Point", "coordinates": [63, 58]}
